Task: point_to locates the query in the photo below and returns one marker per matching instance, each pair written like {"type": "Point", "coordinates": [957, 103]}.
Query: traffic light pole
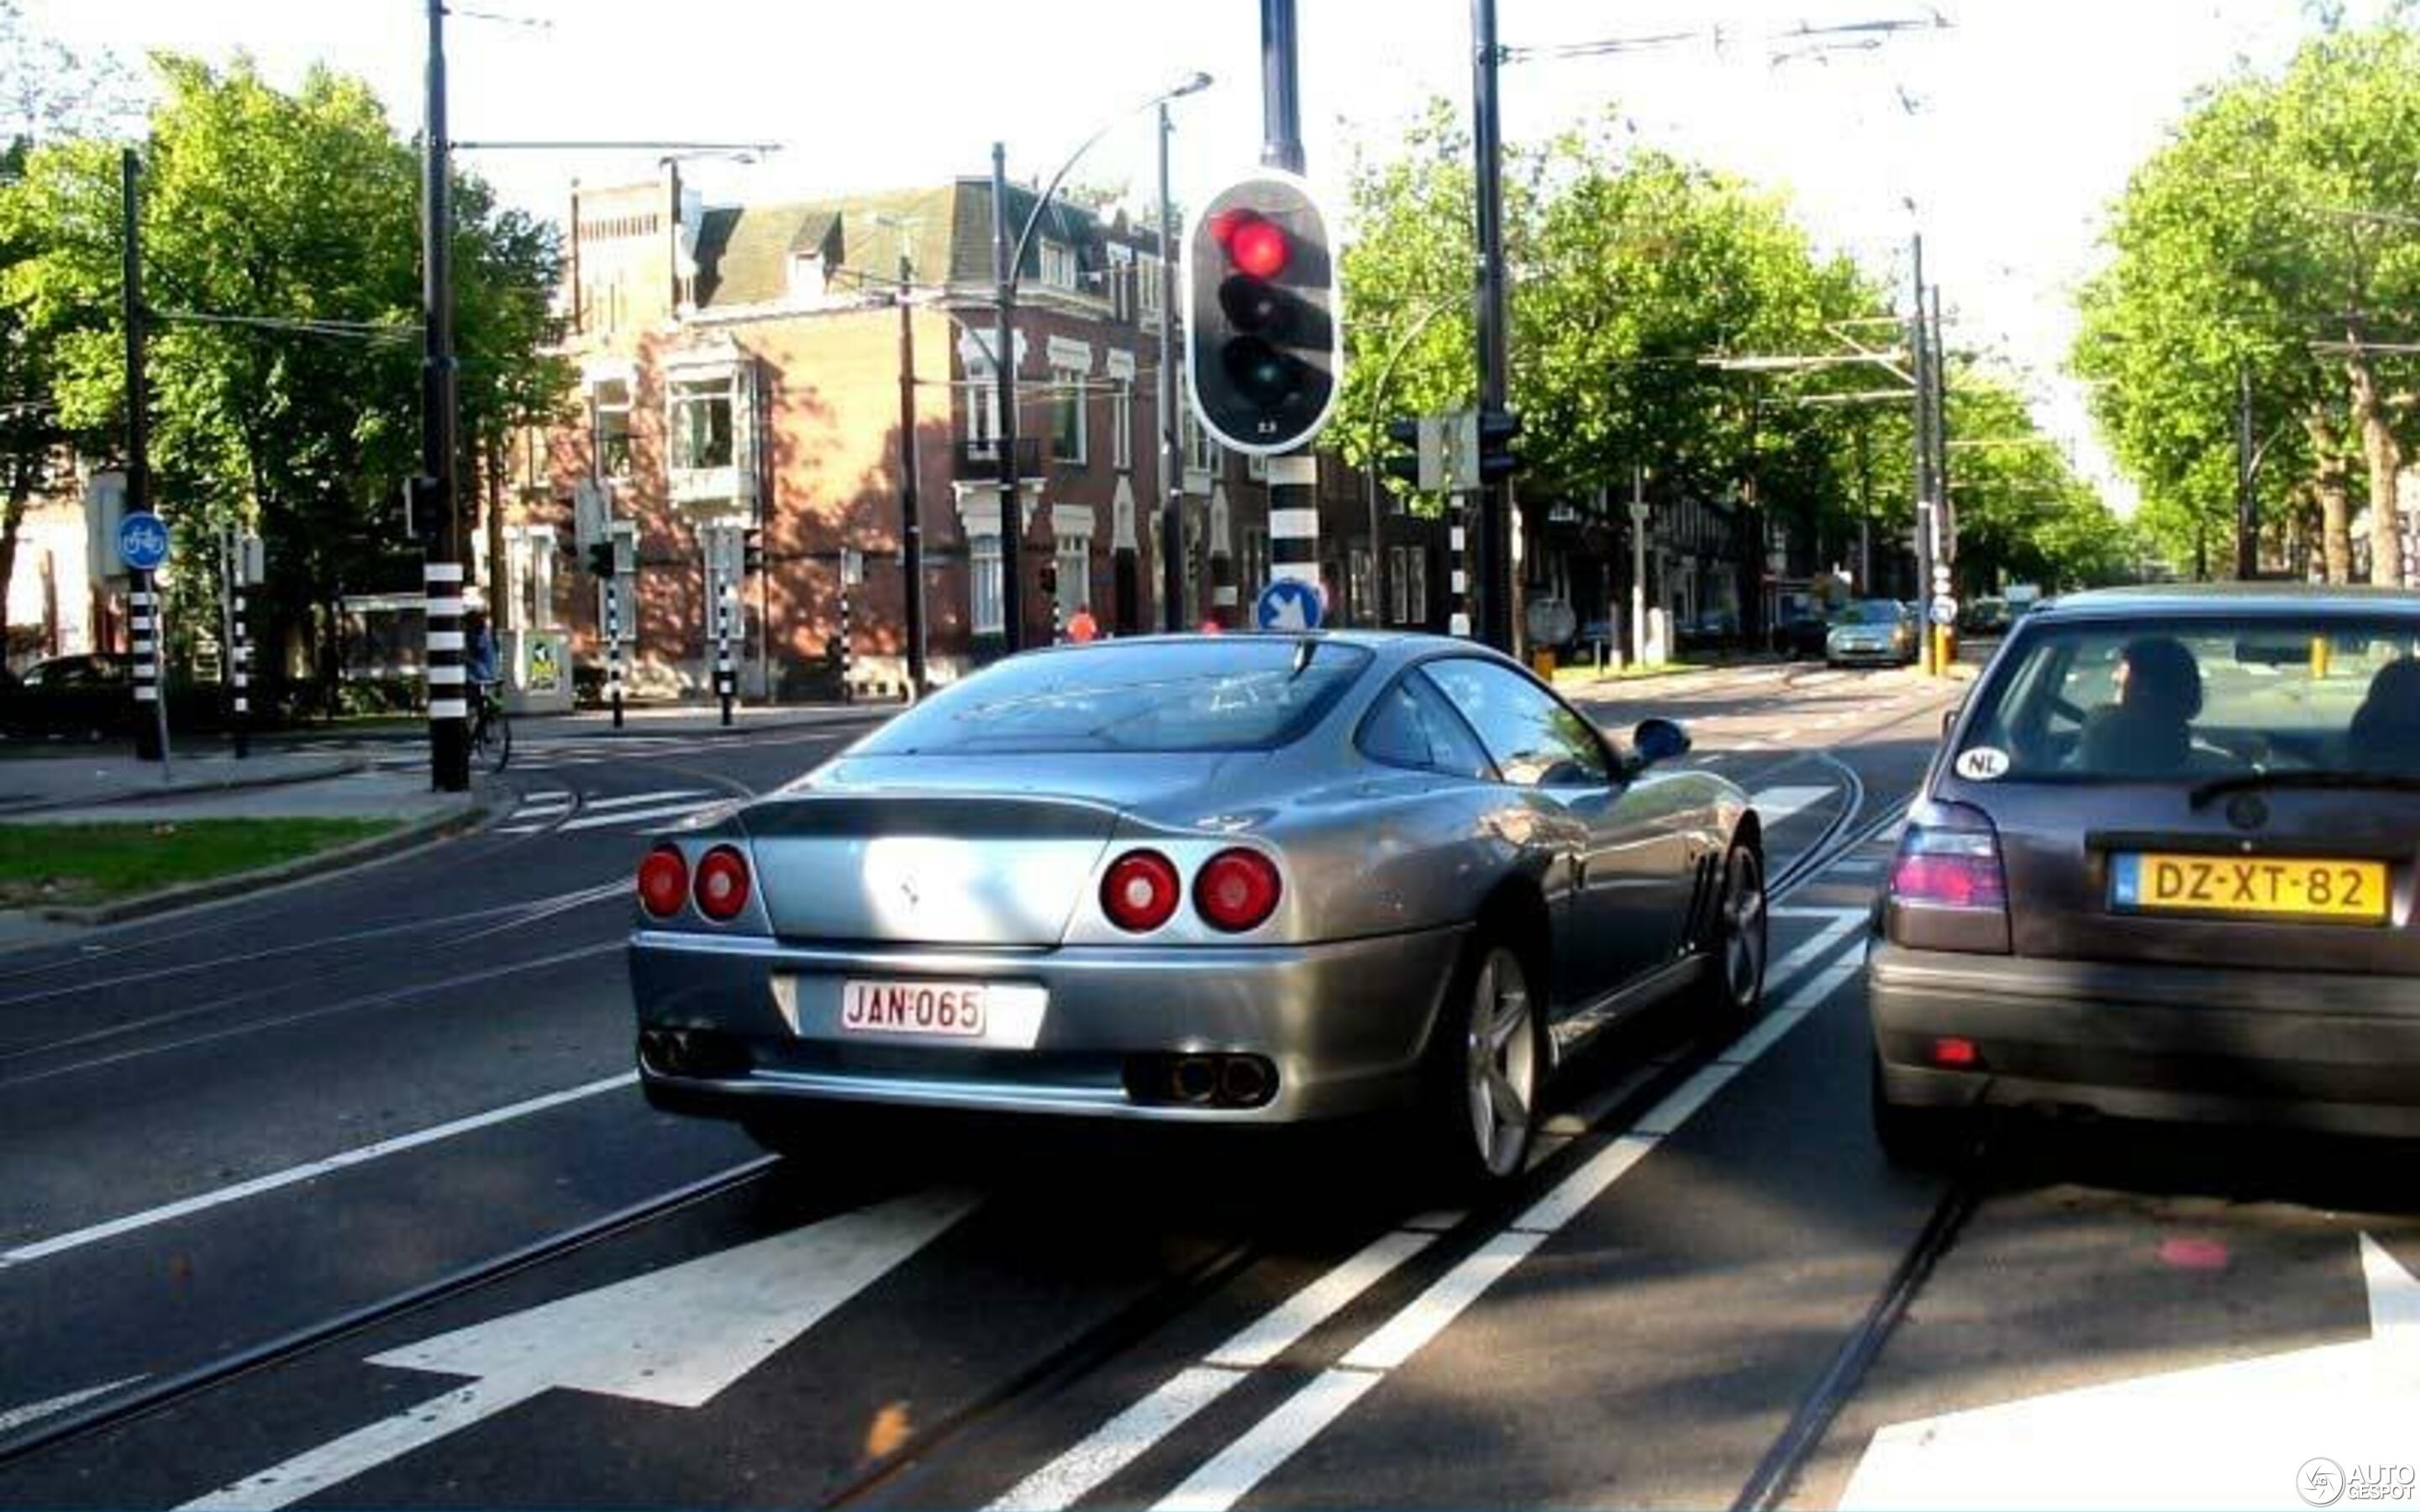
{"type": "Point", "coordinates": [1011, 515]}
{"type": "Point", "coordinates": [2247, 510]}
{"type": "Point", "coordinates": [449, 710]}
{"type": "Point", "coordinates": [1921, 345]}
{"type": "Point", "coordinates": [911, 524]}
{"type": "Point", "coordinates": [1495, 499]}
{"type": "Point", "coordinates": [146, 628]}
{"type": "Point", "coordinates": [1294, 476]}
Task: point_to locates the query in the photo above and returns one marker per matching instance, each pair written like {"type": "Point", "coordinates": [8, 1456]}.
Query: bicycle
{"type": "Point", "coordinates": [491, 730]}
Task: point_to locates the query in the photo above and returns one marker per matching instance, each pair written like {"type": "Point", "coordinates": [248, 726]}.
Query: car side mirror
{"type": "Point", "coordinates": [1658, 740]}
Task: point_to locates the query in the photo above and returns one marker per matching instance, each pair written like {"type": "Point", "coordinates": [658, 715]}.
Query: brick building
{"type": "Point", "coordinates": [741, 367]}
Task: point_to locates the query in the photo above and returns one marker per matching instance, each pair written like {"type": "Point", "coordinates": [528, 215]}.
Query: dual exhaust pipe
{"type": "Point", "coordinates": [1203, 1081]}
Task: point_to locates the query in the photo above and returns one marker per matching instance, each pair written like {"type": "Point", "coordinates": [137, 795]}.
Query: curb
{"type": "Point", "coordinates": [413, 836]}
{"type": "Point", "coordinates": [328, 771]}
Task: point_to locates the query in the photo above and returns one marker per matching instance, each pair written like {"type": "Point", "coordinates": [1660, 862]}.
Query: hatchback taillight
{"type": "Point", "coordinates": [663, 882]}
{"type": "Point", "coordinates": [1237, 890]}
{"type": "Point", "coordinates": [1140, 891]}
{"type": "Point", "coordinates": [1948, 891]}
{"type": "Point", "coordinates": [722, 884]}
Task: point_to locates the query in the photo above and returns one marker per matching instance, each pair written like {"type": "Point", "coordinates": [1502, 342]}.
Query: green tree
{"type": "Point", "coordinates": [2251, 247]}
{"type": "Point", "coordinates": [263, 209]}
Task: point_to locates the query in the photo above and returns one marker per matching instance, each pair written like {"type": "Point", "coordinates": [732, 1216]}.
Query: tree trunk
{"type": "Point", "coordinates": [13, 515]}
{"type": "Point", "coordinates": [2384, 456]}
{"type": "Point", "coordinates": [2329, 482]}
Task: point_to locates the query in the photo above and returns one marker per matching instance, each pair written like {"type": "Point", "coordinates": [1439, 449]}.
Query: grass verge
{"type": "Point", "coordinates": [75, 865]}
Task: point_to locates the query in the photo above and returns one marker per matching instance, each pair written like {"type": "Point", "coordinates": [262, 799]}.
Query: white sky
{"type": "Point", "coordinates": [2029, 114]}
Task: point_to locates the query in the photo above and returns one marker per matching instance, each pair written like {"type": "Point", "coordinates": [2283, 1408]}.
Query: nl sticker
{"type": "Point", "coordinates": [1984, 763]}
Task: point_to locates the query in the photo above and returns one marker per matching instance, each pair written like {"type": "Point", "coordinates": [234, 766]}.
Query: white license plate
{"type": "Point", "coordinates": [946, 1010]}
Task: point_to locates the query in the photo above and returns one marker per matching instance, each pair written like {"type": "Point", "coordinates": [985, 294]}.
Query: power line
{"type": "Point", "coordinates": [354, 330]}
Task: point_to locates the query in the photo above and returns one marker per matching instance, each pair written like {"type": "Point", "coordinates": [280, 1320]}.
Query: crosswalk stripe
{"type": "Point", "coordinates": [631, 800]}
{"type": "Point", "coordinates": [1778, 803]}
{"type": "Point", "coordinates": [633, 816]}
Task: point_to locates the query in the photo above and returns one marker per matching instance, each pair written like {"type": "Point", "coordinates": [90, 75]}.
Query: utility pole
{"type": "Point", "coordinates": [1495, 499]}
{"type": "Point", "coordinates": [449, 711]}
{"type": "Point", "coordinates": [1637, 567]}
{"type": "Point", "coordinates": [146, 627]}
{"type": "Point", "coordinates": [911, 525]}
{"type": "Point", "coordinates": [1919, 345]}
{"type": "Point", "coordinates": [1172, 477]}
{"type": "Point", "coordinates": [2247, 511]}
{"type": "Point", "coordinates": [1011, 512]}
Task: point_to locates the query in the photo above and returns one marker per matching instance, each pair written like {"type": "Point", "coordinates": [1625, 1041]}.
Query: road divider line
{"type": "Point", "coordinates": [632, 800]}
{"type": "Point", "coordinates": [309, 1170]}
{"type": "Point", "coordinates": [1232, 1474]}
{"type": "Point", "coordinates": [1127, 1436]}
{"type": "Point", "coordinates": [16, 1417]}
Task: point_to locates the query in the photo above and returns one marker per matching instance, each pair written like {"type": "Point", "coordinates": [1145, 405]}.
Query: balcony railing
{"type": "Point", "coordinates": [976, 460]}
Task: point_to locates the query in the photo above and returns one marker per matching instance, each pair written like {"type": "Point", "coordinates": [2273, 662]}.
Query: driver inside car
{"type": "Point", "coordinates": [2149, 731]}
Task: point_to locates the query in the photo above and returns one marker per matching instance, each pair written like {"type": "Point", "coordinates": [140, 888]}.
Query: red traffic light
{"type": "Point", "coordinates": [1257, 247]}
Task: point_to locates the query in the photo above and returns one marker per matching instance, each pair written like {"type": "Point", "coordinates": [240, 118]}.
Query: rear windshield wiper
{"type": "Point", "coordinates": [2245, 781]}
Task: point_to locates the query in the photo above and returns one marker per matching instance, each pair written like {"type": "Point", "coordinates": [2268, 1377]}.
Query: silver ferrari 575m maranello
{"type": "Point", "coordinates": [1249, 878]}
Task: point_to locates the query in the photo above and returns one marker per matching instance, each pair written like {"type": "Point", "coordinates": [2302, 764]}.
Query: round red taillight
{"type": "Point", "coordinates": [1237, 890]}
{"type": "Point", "coordinates": [1258, 247]}
{"type": "Point", "coordinates": [721, 883]}
{"type": "Point", "coordinates": [1140, 890]}
{"type": "Point", "coordinates": [663, 882]}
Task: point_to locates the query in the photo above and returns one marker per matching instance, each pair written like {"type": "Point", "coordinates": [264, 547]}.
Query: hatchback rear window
{"type": "Point", "coordinates": [2189, 699]}
{"type": "Point", "coordinates": [1216, 693]}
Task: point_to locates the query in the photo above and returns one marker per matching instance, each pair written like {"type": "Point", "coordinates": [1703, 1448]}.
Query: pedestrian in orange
{"type": "Point", "coordinates": [1081, 626]}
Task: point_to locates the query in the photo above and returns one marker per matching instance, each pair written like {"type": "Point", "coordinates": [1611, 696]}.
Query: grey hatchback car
{"type": "Point", "coordinates": [2163, 867]}
{"type": "Point", "coordinates": [1206, 879]}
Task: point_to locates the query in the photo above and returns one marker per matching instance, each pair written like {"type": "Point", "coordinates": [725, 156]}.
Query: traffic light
{"type": "Point", "coordinates": [1050, 578]}
{"type": "Point", "coordinates": [1496, 458]}
{"type": "Point", "coordinates": [601, 558]}
{"type": "Point", "coordinates": [1264, 347]}
{"type": "Point", "coordinates": [422, 518]}
{"type": "Point", "coordinates": [752, 550]}
{"type": "Point", "coordinates": [1423, 466]}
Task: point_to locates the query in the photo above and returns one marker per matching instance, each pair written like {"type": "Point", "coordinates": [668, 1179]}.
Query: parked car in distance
{"type": "Point", "coordinates": [1801, 636]}
{"type": "Point", "coordinates": [2163, 867]}
{"type": "Point", "coordinates": [1139, 879]}
{"type": "Point", "coordinates": [1872, 632]}
{"type": "Point", "coordinates": [1714, 630]}
{"type": "Point", "coordinates": [86, 695]}
{"type": "Point", "coordinates": [1984, 616]}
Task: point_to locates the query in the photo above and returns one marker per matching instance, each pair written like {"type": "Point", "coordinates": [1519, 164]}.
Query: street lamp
{"type": "Point", "coordinates": [1008, 262]}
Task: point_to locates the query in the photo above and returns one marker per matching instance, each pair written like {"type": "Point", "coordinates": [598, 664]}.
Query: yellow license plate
{"type": "Point", "coordinates": [2295, 886]}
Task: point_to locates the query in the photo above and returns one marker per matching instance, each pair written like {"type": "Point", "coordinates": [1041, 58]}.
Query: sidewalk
{"type": "Point", "coordinates": [650, 719]}
{"type": "Point", "coordinates": [37, 784]}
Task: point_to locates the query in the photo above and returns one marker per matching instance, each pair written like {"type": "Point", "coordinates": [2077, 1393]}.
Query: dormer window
{"type": "Point", "coordinates": [806, 281]}
{"type": "Point", "coordinates": [1058, 264]}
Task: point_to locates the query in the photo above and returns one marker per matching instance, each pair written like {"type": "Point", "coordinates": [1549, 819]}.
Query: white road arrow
{"type": "Point", "coordinates": [2233, 1435]}
{"type": "Point", "coordinates": [675, 1337]}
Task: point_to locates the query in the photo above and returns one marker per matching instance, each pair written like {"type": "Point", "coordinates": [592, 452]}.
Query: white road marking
{"type": "Point", "coordinates": [1231, 1474]}
{"type": "Point", "coordinates": [520, 829]}
{"type": "Point", "coordinates": [675, 1337]}
{"type": "Point", "coordinates": [1775, 804]}
{"type": "Point", "coordinates": [202, 1202]}
{"type": "Point", "coordinates": [2237, 1434]}
{"type": "Point", "coordinates": [629, 800]}
{"type": "Point", "coordinates": [634, 816]}
{"type": "Point", "coordinates": [1124, 1438]}
{"type": "Point", "coordinates": [16, 1417]}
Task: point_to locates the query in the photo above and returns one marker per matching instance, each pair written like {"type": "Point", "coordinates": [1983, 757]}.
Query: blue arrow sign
{"type": "Point", "coordinates": [1288, 604]}
{"type": "Point", "coordinates": [142, 541]}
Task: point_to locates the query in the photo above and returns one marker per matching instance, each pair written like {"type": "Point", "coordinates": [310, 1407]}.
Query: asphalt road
{"type": "Point", "coordinates": [191, 1118]}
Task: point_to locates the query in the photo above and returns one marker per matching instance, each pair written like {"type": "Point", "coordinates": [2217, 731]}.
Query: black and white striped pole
{"type": "Point", "coordinates": [1457, 565]}
{"type": "Point", "coordinates": [852, 572]}
{"type": "Point", "coordinates": [146, 628]}
{"type": "Point", "coordinates": [613, 643]}
{"type": "Point", "coordinates": [726, 682]}
{"type": "Point", "coordinates": [239, 668]}
{"type": "Point", "coordinates": [1293, 520]}
{"type": "Point", "coordinates": [449, 703]}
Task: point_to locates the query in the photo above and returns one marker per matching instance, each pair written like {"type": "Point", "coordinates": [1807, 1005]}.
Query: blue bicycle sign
{"type": "Point", "coordinates": [143, 541]}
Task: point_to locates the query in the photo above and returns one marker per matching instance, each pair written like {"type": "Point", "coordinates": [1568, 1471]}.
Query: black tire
{"type": "Point", "coordinates": [1730, 994]}
{"type": "Point", "coordinates": [1465, 1160]}
{"type": "Point", "coordinates": [1918, 1139]}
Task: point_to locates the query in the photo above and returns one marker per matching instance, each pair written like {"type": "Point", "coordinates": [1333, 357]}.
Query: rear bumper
{"type": "Point", "coordinates": [1343, 1025]}
{"type": "Point", "coordinates": [2306, 1050]}
{"type": "Point", "coordinates": [1881, 655]}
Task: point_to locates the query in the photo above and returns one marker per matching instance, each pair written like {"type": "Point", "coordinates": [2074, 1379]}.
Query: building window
{"type": "Point", "coordinates": [1147, 286]}
{"type": "Point", "coordinates": [1198, 446]}
{"type": "Point", "coordinates": [1408, 585]}
{"type": "Point", "coordinates": [1121, 426]}
{"type": "Point", "coordinates": [1058, 265]}
{"type": "Point", "coordinates": [983, 416]}
{"type": "Point", "coordinates": [1256, 559]}
{"type": "Point", "coordinates": [1121, 278]}
{"type": "Point", "coordinates": [1067, 427]}
{"type": "Point", "coordinates": [983, 590]}
{"type": "Point", "coordinates": [1358, 585]}
{"type": "Point", "coordinates": [613, 411]}
{"type": "Point", "coordinates": [1256, 467]}
{"type": "Point", "coordinates": [701, 424]}
{"type": "Point", "coordinates": [530, 553]}
{"type": "Point", "coordinates": [1075, 574]}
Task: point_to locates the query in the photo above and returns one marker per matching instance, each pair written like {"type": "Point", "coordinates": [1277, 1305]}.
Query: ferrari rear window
{"type": "Point", "coordinates": [1211, 694]}
{"type": "Point", "coordinates": [2200, 697]}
